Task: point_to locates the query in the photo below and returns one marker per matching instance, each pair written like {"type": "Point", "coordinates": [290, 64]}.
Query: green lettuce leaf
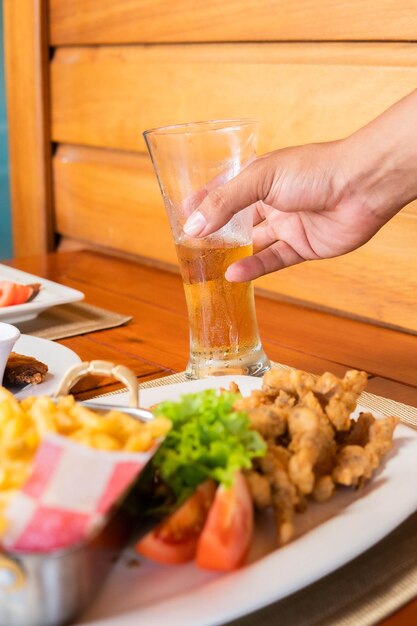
{"type": "Point", "coordinates": [208, 440]}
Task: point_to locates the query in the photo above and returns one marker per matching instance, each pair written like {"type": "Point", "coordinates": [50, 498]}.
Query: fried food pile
{"type": "Point", "coordinates": [312, 442]}
{"type": "Point", "coordinates": [23, 425]}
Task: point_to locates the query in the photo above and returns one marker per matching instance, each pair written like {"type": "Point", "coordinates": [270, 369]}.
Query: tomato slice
{"type": "Point", "coordinates": [175, 539]}
{"type": "Point", "coordinates": [13, 293]}
{"type": "Point", "coordinates": [22, 293]}
{"type": "Point", "coordinates": [227, 533]}
{"type": "Point", "coordinates": [7, 291]}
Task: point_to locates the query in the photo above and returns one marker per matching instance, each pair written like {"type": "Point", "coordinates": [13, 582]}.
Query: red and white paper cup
{"type": "Point", "coordinates": [69, 494]}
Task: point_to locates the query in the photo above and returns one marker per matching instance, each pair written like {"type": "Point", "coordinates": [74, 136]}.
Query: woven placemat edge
{"type": "Point", "coordinates": [406, 412]}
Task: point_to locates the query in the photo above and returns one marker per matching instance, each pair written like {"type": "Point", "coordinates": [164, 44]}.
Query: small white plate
{"type": "Point", "coordinates": [58, 358]}
{"type": "Point", "coordinates": [328, 536]}
{"type": "Point", "coordinates": [50, 294]}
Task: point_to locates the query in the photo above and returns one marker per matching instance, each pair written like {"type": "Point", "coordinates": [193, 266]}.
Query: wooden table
{"type": "Point", "coordinates": [155, 343]}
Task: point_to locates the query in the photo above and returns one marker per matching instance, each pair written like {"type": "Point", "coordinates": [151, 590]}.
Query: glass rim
{"type": "Point", "coordinates": [202, 126]}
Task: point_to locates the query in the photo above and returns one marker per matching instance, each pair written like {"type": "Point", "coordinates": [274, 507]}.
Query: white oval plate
{"type": "Point", "coordinates": [328, 536]}
{"type": "Point", "coordinates": [57, 357]}
{"type": "Point", "coordinates": [51, 294]}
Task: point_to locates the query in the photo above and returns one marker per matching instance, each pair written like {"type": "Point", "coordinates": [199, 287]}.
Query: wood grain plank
{"type": "Point", "coordinates": [93, 346]}
{"type": "Point", "coordinates": [404, 617]}
{"type": "Point", "coordinates": [394, 390]}
{"type": "Point", "coordinates": [92, 22]}
{"type": "Point", "coordinates": [379, 351]}
{"type": "Point", "coordinates": [378, 282]}
{"type": "Point", "coordinates": [159, 332]}
{"type": "Point", "coordinates": [302, 92]}
{"type": "Point", "coordinates": [112, 199]}
{"type": "Point", "coordinates": [27, 76]}
{"type": "Point", "coordinates": [81, 394]}
{"type": "Point", "coordinates": [86, 346]}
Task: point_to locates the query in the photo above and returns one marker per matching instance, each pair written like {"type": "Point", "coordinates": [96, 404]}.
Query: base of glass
{"type": "Point", "coordinates": [254, 363]}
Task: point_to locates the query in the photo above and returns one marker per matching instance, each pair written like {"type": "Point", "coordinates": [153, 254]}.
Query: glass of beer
{"type": "Point", "coordinates": [190, 160]}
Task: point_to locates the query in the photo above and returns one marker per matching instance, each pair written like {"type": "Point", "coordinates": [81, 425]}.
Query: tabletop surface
{"type": "Point", "coordinates": [155, 343]}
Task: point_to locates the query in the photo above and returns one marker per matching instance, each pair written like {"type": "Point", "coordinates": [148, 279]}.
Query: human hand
{"type": "Point", "coordinates": [300, 210]}
{"type": "Point", "coordinates": [315, 201]}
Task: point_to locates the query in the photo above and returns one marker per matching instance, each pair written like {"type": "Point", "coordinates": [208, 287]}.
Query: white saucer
{"type": "Point", "coordinates": [58, 358]}
{"type": "Point", "coordinates": [51, 294]}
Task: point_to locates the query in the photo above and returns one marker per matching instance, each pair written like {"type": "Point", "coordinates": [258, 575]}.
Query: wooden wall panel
{"type": "Point", "coordinates": [106, 96]}
{"type": "Point", "coordinates": [377, 282]}
{"type": "Point", "coordinates": [112, 199]}
{"type": "Point", "coordinates": [134, 21]}
{"type": "Point", "coordinates": [27, 89]}
{"type": "Point", "coordinates": [324, 85]}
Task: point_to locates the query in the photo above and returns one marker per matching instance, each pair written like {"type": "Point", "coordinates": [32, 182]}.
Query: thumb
{"type": "Point", "coordinates": [223, 202]}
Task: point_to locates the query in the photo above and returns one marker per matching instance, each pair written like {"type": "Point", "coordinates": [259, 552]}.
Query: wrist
{"type": "Point", "coordinates": [379, 162]}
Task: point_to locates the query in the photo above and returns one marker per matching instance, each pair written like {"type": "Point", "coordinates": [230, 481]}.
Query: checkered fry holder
{"type": "Point", "coordinates": [69, 495]}
{"type": "Point", "coordinates": [72, 488]}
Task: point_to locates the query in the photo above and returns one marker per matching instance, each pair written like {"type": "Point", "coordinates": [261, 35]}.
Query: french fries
{"type": "Point", "coordinates": [24, 424]}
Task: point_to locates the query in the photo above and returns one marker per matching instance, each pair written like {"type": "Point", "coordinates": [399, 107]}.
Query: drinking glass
{"type": "Point", "coordinates": [190, 160]}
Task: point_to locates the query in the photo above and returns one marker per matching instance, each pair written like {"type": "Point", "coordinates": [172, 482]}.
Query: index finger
{"type": "Point", "coordinates": [223, 202]}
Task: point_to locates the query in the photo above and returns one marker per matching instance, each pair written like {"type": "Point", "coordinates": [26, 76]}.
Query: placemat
{"type": "Point", "coordinates": [364, 591]}
{"type": "Point", "coordinates": [69, 320]}
{"type": "Point", "coordinates": [406, 413]}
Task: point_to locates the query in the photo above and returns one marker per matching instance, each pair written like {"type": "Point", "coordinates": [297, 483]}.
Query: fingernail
{"type": "Point", "coordinates": [195, 224]}
{"type": "Point", "coordinates": [231, 273]}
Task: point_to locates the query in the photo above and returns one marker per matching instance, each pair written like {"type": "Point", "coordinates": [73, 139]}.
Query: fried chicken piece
{"type": "Point", "coordinates": [311, 401]}
{"type": "Point", "coordinates": [323, 488]}
{"type": "Point", "coordinates": [353, 466]}
{"type": "Point", "coordinates": [355, 381]}
{"type": "Point", "coordinates": [269, 420]}
{"type": "Point", "coordinates": [260, 489]}
{"type": "Point", "coordinates": [293, 382]}
{"type": "Point", "coordinates": [284, 399]}
{"type": "Point", "coordinates": [312, 444]}
{"type": "Point", "coordinates": [233, 388]}
{"type": "Point", "coordinates": [355, 463]}
{"type": "Point", "coordinates": [358, 434]}
{"type": "Point", "coordinates": [339, 396]}
{"type": "Point", "coordinates": [285, 496]}
{"type": "Point", "coordinates": [256, 399]}
{"type": "Point", "coordinates": [285, 529]}
{"type": "Point", "coordinates": [380, 439]}
{"type": "Point", "coordinates": [276, 456]}
{"type": "Point", "coordinates": [22, 370]}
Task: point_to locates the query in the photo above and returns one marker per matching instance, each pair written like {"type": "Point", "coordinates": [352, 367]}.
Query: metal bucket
{"type": "Point", "coordinates": [51, 589]}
